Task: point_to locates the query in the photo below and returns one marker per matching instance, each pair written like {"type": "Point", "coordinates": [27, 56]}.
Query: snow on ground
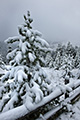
{"type": "Point", "coordinates": [56, 78]}
{"type": "Point", "coordinates": [74, 115]}
{"type": "Point", "coordinates": [54, 110]}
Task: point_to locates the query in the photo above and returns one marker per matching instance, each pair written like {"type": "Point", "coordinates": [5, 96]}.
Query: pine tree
{"type": "Point", "coordinates": [58, 56]}
{"type": "Point", "coordinates": [1, 62]}
{"type": "Point", "coordinates": [58, 61]}
{"type": "Point", "coordinates": [70, 50]}
{"type": "Point", "coordinates": [48, 60]}
{"type": "Point", "coordinates": [26, 82]}
{"type": "Point", "coordinates": [76, 60]}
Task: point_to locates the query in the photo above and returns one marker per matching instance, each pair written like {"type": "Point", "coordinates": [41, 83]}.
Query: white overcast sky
{"type": "Point", "coordinates": [58, 20]}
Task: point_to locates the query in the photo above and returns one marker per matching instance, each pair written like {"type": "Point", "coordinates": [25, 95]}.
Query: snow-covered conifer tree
{"type": "Point", "coordinates": [58, 61]}
{"type": "Point", "coordinates": [76, 60]}
{"type": "Point", "coordinates": [1, 62]}
{"type": "Point", "coordinates": [0, 59]}
{"type": "Point", "coordinates": [48, 59]}
{"type": "Point", "coordinates": [25, 82]}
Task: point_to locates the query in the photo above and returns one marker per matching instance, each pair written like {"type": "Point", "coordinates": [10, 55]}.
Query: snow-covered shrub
{"type": "Point", "coordinates": [25, 82]}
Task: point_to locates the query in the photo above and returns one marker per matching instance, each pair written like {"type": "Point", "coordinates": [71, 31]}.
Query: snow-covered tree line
{"type": "Point", "coordinates": [25, 82]}
{"type": "Point", "coordinates": [65, 56]}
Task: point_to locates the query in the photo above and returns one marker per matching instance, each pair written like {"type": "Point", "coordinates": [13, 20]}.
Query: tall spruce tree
{"type": "Point", "coordinates": [25, 82]}
{"type": "Point", "coordinates": [76, 60]}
